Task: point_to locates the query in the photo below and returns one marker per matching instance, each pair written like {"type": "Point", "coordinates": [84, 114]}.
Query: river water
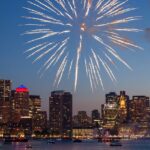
{"type": "Point", "coordinates": [43, 145]}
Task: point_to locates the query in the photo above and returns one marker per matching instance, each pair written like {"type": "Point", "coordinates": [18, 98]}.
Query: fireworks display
{"type": "Point", "coordinates": [70, 34]}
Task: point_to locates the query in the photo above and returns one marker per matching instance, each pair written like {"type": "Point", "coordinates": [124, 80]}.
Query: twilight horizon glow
{"type": "Point", "coordinates": [54, 26]}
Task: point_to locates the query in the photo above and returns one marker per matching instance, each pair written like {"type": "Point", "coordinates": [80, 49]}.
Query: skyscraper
{"type": "Point", "coordinates": [21, 101]}
{"type": "Point", "coordinates": [60, 114]}
{"type": "Point", "coordinates": [5, 92]}
{"type": "Point", "coordinates": [110, 111]}
{"type": "Point", "coordinates": [123, 107]}
{"type": "Point", "coordinates": [34, 104]}
{"type": "Point", "coordinates": [39, 118]}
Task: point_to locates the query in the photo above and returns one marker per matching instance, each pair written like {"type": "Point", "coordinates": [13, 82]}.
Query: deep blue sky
{"type": "Point", "coordinates": [15, 66]}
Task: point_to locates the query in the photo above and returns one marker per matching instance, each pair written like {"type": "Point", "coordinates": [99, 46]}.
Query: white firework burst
{"type": "Point", "coordinates": [69, 33]}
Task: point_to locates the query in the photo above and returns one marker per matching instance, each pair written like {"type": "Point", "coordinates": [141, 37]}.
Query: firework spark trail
{"type": "Point", "coordinates": [84, 5]}
{"type": "Point", "coordinates": [89, 4]}
{"type": "Point", "coordinates": [63, 43]}
{"type": "Point", "coordinates": [114, 9]}
{"type": "Point", "coordinates": [108, 70]}
{"type": "Point", "coordinates": [51, 33]}
{"type": "Point", "coordinates": [72, 9]}
{"type": "Point", "coordinates": [70, 68]}
{"type": "Point", "coordinates": [74, 5]}
{"type": "Point", "coordinates": [44, 53]}
{"type": "Point", "coordinates": [52, 25]}
{"type": "Point", "coordinates": [32, 11]}
{"type": "Point", "coordinates": [90, 78]}
{"type": "Point", "coordinates": [96, 59]}
{"type": "Point", "coordinates": [38, 50]}
{"type": "Point", "coordinates": [77, 63]}
{"type": "Point", "coordinates": [94, 72]}
{"type": "Point", "coordinates": [112, 51]}
{"type": "Point", "coordinates": [124, 20]}
{"type": "Point", "coordinates": [60, 70]}
{"type": "Point", "coordinates": [123, 41]}
{"type": "Point", "coordinates": [92, 75]}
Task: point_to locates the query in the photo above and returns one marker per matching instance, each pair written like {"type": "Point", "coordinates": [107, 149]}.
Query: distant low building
{"type": "Point", "coordinates": [82, 120]}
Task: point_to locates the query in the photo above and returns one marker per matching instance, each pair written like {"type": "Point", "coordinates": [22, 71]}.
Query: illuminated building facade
{"type": "Point", "coordinates": [110, 111]}
{"type": "Point", "coordinates": [83, 133]}
{"type": "Point", "coordinates": [39, 121]}
{"type": "Point", "coordinates": [123, 107]}
{"type": "Point", "coordinates": [34, 104]}
{"type": "Point", "coordinates": [21, 101]}
{"type": "Point", "coordinates": [60, 114]}
{"type": "Point", "coordinates": [138, 107]}
{"type": "Point", "coordinates": [5, 102]}
{"type": "Point", "coordinates": [39, 118]}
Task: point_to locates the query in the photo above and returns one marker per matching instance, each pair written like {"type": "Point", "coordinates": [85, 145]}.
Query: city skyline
{"type": "Point", "coordinates": [15, 67]}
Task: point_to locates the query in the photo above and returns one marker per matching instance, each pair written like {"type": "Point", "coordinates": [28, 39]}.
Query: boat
{"type": "Point", "coordinates": [51, 142]}
{"type": "Point", "coordinates": [77, 141]}
{"type": "Point", "coordinates": [29, 146]}
{"type": "Point", "coordinates": [8, 140]}
{"type": "Point", "coordinates": [20, 140]}
{"type": "Point", "coordinates": [1, 145]}
{"type": "Point", "coordinates": [115, 143]}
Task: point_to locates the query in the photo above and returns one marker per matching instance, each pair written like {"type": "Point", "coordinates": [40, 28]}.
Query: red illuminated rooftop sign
{"type": "Point", "coordinates": [22, 88]}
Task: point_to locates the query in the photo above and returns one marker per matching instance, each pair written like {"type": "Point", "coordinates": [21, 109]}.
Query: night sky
{"type": "Point", "coordinates": [15, 66]}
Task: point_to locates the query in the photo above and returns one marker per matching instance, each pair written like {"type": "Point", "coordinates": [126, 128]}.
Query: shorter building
{"type": "Point", "coordinates": [39, 121]}
{"type": "Point", "coordinates": [138, 107]}
{"type": "Point", "coordinates": [82, 120]}
{"type": "Point", "coordinates": [25, 125]}
{"type": "Point", "coordinates": [95, 117]}
{"type": "Point", "coordinates": [83, 133]}
{"type": "Point", "coordinates": [34, 104]}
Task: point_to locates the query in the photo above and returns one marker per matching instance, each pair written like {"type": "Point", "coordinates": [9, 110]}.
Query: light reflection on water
{"type": "Point", "coordinates": [42, 145]}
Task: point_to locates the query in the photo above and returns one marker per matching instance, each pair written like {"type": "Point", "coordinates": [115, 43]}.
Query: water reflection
{"type": "Point", "coordinates": [43, 145]}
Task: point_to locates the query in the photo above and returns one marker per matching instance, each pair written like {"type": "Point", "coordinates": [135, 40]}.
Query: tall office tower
{"type": "Point", "coordinates": [5, 92]}
{"type": "Point", "coordinates": [138, 106]}
{"type": "Point", "coordinates": [123, 107]}
{"type": "Point", "coordinates": [95, 116]}
{"type": "Point", "coordinates": [34, 104]}
{"type": "Point", "coordinates": [39, 118]}
{"type": "Point", "coordinates": [110, 111]}
{"type": "Point", "coordinates": [21, 101]}
{"type": "Point", "coordinates": [60, 114]}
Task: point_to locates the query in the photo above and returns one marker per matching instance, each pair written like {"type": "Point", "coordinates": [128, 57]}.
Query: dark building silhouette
{"type": "Point", "coordinates": [82, 120]}
{"type": "Point", "coordinates": [95, 117]}
{"type": "Point", "coordinates": [5, 101]}
{"type": "Point", "coordinates": [60, 114]}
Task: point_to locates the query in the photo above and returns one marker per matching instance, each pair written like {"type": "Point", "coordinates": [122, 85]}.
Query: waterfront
{"type": "Point", "coordinates": [42, 145]}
